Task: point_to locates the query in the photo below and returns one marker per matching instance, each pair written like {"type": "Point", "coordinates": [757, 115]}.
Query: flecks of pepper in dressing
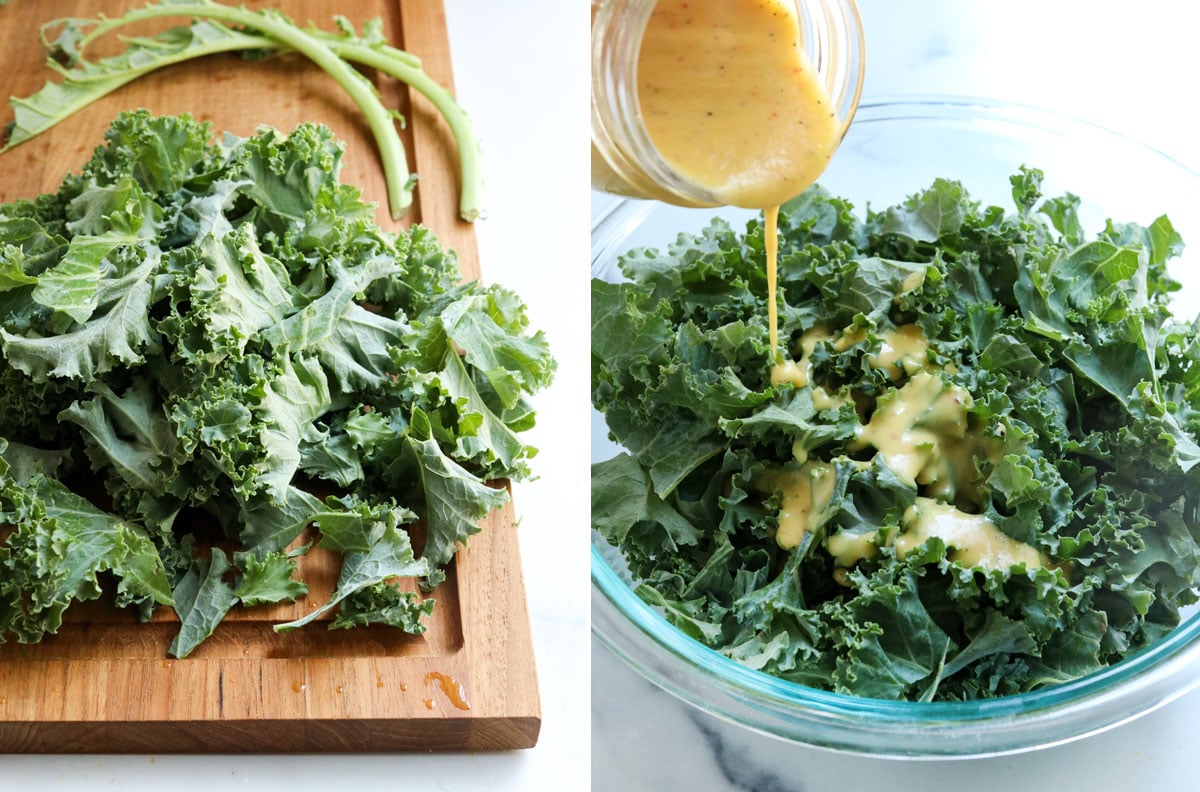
{"type": "Point", "coordinates": [730, 100]}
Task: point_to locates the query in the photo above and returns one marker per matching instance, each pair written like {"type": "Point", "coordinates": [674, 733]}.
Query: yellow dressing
{"type": "Point", "coordinates": [849, 548]}
{"type": "Point", "coordinates": [824, 400]}
{"type": "Point", "coordinates": [975, 540]}
{"type": "Point", "coordinates": [807, 494]}
{"type": "Point", "coordinates": [849, 337]}
{"type": "Point", "coordinates": [791, 371]}
{"type": "Point", "coordinates": [920, 430]}
{"type": "Point", "coordinates": [730, 101]}
{"type": "Point", "coordinates": [911, 282]}
{"type": "Point", "coordinates": [799, 372]}
{"type": "Point", "coordinates": [771, 245]}
{"type": "Point", "coordinates": [902, 352]}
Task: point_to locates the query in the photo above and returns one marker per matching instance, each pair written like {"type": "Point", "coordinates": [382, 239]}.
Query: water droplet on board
{"type": "Point", "coordinates": [299, 686]}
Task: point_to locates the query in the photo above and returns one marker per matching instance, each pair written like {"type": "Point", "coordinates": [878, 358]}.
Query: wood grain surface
{"type": "Point", "coordinates": [104, 683]}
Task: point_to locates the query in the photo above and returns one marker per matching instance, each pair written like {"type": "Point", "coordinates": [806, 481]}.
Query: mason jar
{"type": "Point", "coordinates": [625, 160]}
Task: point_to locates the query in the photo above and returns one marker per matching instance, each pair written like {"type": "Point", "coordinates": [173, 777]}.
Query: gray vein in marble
{"type": "Point", "coordinates": [732, 762]}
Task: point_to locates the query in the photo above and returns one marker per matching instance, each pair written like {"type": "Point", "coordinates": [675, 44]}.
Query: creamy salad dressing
{"type": "Point", "coordinates": [790, 371]}
{"type": "Point", "coordinates": [799, 372]}
{"type": "Point", "coordinates": [730, 100]}
{"type": "Point", "coordinates": [922, 432]}
{"type": "Point", "coordinates": [849, 548]}
{"type": "Point", "coordinates": [849, 337]}
{"type": "Point", "coordinates": [976, 541]}
{"type": "Point", "coordinates": [971, 539]}
{"type": "Point", "coordinates": [903, 351]}
{"type": "Point", "coordinates": [824, 400]}
{"type": "Point", "coordinates": [807, 494]}
{"type": "Point", "coordinates": [911, 282]}
{"type": "Point", "coordinates": [771, 247]}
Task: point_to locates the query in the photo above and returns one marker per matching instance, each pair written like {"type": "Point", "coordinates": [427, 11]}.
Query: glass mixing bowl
{"type": "Point", "coordinates": [894, 148]}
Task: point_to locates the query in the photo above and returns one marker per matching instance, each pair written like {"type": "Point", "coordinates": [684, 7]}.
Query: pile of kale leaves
{"type": "Point", "coordinates": [210, 347]}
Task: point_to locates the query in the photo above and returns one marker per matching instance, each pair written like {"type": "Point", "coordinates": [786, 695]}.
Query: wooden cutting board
{"type": "Point", "coordinates": [104, 683]}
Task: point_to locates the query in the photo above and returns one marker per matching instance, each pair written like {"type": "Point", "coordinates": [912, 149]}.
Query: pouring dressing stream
{"type": "Point", "coordinates": [730, 111]}
{"type": "Point", "coordinates": [729, 106]}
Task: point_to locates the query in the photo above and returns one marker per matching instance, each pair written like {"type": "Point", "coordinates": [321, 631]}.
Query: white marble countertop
{"type": "Point", "coordinates": [521, 71]}
{"type": "Point", "coordinates": [1129, 67]}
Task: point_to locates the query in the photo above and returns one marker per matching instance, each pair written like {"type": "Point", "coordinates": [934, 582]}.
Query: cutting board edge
{"type": "Point", "coordinates": [327, 735]}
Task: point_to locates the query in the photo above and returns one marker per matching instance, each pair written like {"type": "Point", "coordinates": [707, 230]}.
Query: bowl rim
{"type": "Point", "coordinates": [1013, 112]}
{"type": "Point", "coordinates": [905, 729]}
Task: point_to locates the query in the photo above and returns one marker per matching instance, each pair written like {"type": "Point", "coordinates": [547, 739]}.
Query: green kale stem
{"type": "Point", "coordinates": [327, 50]}
{"type": "Point", "coordinates": [85, 88]}
{"type": "Point", "coordinates": [470, 165]}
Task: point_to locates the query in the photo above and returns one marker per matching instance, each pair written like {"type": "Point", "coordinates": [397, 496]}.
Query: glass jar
{"type": "Point", "coordinates": [625, 161]}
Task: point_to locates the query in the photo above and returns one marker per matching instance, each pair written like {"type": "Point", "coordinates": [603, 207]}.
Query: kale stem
{"type": "Point", "coordinates": [103, 84]}
{"type": "Point", "coordinates": [470, 158]}
{"type": "Point", "coordinates": [400, 65]}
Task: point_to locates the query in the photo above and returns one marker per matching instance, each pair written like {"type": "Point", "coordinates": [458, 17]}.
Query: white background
{"type": "Point", "coordinates": [1131, 67]}
{"type": "Point", "coordinates": [521, 72]}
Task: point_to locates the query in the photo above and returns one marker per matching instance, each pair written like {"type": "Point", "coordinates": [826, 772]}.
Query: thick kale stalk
{"type": "Point", "coordinates": [264, 31]}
